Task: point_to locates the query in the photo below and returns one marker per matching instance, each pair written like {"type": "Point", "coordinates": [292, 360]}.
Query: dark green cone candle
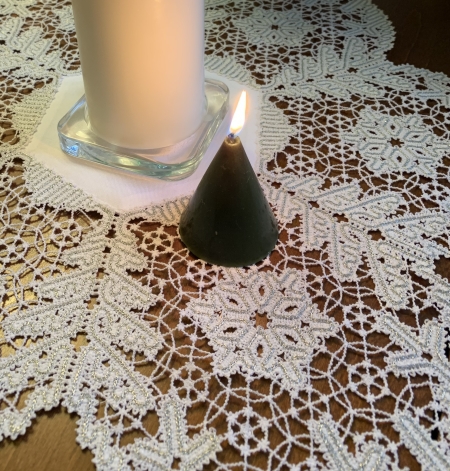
{"type": "Point", "coordinates": [228, 220]}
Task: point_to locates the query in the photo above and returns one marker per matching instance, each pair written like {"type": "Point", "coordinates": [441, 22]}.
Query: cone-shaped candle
{"type": "Point", "coordinates": [228, 220]}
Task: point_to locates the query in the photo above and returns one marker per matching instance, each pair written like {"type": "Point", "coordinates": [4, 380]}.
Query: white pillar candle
{"type": "Point", "coordinates": [142, 65]}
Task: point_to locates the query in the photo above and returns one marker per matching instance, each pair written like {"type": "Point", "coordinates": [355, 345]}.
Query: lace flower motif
{"type": "Point", "coordinates": [66, 21]}
{"type": "Point", "coordinates": [261, 324]}
{"type": "Point", "coordinates": [396, 143]}
{"type": "Point", "coordinates": [262, 27]}
{"type": "Point", "coordinates": [15, 7]}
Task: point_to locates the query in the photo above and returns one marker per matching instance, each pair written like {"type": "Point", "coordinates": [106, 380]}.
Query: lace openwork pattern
{"type": "Point", "coordinates": [333, 353]}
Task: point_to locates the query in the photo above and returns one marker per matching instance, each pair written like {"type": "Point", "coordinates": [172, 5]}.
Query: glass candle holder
{"type": "Point", "coordinates": [147, 107]}
{"type": "Point", "coordinates": [168, 163]}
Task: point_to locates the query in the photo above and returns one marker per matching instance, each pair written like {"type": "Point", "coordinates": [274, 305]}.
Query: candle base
{"type": "Point", "coordinates": [168, 163]}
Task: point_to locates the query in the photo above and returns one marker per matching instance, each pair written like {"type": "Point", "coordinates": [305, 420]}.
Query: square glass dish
{"type": "Point", "coordinates": [168, 163]}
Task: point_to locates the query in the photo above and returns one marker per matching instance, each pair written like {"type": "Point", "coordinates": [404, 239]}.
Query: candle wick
{"type": "Point", "coordinates": [231, 138]}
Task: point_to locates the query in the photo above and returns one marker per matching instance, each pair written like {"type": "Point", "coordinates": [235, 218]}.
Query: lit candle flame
{"type": "Point", "coordinates": [237, 123]}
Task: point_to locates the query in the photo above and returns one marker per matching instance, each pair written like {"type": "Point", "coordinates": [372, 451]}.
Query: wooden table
{"type": "Point", "coordinates": [423, 40]}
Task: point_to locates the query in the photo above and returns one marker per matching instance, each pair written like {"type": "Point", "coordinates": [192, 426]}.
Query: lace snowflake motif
{"type": "Point", "coordinates": [212, 13]}
{"type": "Point", "coordinates": [173, 442]}
{"type": "Point", "coordinates": [30, 43]}
{"type": "Point", "coordinates": [218, 3]}
{"type": "Point", "coordinates": [421, 354]}
{"type": "Point", "coordinates": [274, 27]}
{"type": "Point", "coordinates": [397, 143]}
{"type": "Point", "coordinates": [47, 41]}
{"type": "Point", "coordinates": [288, 31]}
{"type": "Point", "coordinates": [153, 453]}
{"type": "Point", "coordinates": [329, 73]}
{"type": "Point", "coordinates": [262, 324]}
{"type": "Point", "coordinates": [438, 88]}
{"type": "Point", "coordinates": [28, 58]}
{"type": "Point", "coordinates": [66, 21]}
{"type": "Point", "coordinates": [15, 7]}
{"type": "Point", "coordinates": [107, 327]}
{"type": "Point", "coordinates": [371, 232]}
{"type": "Point", "coordinates": [373, 24]}
{"type": "Point", "coordinates": [429, 453]}
{"type": "Point", "coordinates": [347, 242]}
{"type": "Point", "coordinates": [353, 71]}
{"type": "Point", "coordinates": [370, 455]}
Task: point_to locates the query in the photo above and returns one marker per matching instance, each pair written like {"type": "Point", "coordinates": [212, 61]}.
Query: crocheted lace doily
{"type": "Point", "coordinates": [330, 354]}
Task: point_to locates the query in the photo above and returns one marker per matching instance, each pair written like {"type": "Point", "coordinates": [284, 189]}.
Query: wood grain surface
{"type": "Point", "coordinates": [422, 32]}
{"type": "Point", "coordinates": [423, 40]}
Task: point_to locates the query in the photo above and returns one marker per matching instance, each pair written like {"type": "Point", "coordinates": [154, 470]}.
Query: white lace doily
{"type": "Point", "coordinates": [330, 354]}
